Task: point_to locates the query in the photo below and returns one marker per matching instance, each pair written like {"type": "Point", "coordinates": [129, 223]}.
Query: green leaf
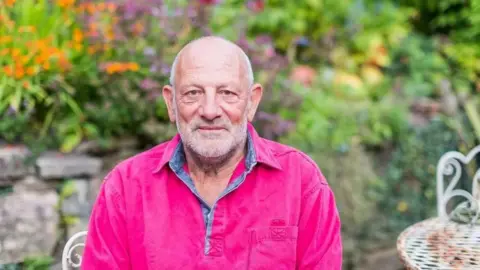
{"type": "Point", "coordinates": [70, 142]}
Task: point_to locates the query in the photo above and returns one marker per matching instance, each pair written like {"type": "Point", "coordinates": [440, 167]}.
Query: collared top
{"type": "Point", "coordinates": [277, 212]}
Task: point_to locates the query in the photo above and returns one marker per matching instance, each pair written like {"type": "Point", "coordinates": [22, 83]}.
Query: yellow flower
{"type": "Point", "coordinates": [5, 39]}
{"type": "Point", "coordinates": [402, 206]}
{"type": "Point", "coordinates": [77, 46]}
{"type": "Point", "coordinates": [24, 60]}
{"type": "Point", "coordinates": [27, 29]}
{"type": "Point", "coordinates": [133, 66]}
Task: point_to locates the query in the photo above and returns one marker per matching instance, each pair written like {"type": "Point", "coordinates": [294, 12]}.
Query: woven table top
{"type": "Point", "coordinates": [440, 244]}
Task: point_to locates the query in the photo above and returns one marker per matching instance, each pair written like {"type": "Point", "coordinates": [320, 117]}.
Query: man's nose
{"type": "Point", "coordinates": [210, 108]}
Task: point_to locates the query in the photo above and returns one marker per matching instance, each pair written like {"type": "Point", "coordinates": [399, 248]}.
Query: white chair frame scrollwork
{"type": "Point", "coordinates": [449, 165]}
{"type": "Point", "coordinates": [68, 261]}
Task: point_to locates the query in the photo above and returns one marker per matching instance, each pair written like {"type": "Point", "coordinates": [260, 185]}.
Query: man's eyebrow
{"type": "Point", "coordinates": [190, 85]}
{"type": "Point", "coordinates": [222, 85]}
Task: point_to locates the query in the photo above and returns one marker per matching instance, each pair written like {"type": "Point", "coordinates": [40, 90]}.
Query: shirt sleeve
{"type": "Point", "coordinates": [319, 239]}
{"type": "Point", "coordinates": [106, 243]}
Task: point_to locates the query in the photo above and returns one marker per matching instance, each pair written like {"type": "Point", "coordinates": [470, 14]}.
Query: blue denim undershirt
{"type": "Point", "coordinates": [176, 164]}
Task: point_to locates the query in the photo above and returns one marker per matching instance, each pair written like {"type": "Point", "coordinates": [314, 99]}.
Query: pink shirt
{"type": "Point", "coordinates": [278, 212]}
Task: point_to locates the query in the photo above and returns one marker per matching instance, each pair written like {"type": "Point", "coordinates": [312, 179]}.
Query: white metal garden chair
{"type": "Point", "coordinates": [71, 256]}
{"type": "Point", "coordinates": [450, 240]}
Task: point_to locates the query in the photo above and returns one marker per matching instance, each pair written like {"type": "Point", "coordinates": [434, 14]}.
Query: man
{"type": "Point", "coordinates": [216, 196]}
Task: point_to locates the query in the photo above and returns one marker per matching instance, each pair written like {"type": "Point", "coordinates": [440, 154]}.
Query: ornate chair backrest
{"type": "Point", "coordinates": [449, 165]}
{"type": "Point", "coordinates": [71, 257]}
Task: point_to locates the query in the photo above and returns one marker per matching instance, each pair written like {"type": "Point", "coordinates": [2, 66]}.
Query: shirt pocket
{"type": "Point", "coordinates": [272, 247]}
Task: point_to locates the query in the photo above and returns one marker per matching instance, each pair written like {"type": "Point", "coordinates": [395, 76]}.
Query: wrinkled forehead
{"type": "Point", "coordinates": [211, 66]}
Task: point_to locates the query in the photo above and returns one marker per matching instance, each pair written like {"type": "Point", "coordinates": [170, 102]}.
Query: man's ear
{"type": "Point", "coordinates": [256, 93]}
{"type": "Point", "coordinates": [168, 96]}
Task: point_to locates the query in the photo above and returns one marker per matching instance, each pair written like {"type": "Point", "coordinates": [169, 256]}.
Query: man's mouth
{"type": "Point", "coordinates": [210, 128]}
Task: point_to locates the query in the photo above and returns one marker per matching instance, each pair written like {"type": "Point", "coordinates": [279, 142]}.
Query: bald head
{"type": "Point", "coordinates": [202, 50]}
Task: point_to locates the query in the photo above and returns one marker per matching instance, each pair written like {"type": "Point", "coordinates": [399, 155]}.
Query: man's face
{"type": "Point", "coordinates": [211, 103]}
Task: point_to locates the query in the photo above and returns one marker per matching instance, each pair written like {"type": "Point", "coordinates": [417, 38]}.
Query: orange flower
{"type": "Point", "coordinates": [4, 52]}
{"type": "Point", "coordinates": [113, 67]}
{"type": "Point", "coordinates": [111, 7]}
{"type": "Point", "coordinates": [8, 70]}
{"type": "Point", "coordinates": [26, 84]}
{"type": "Point", "coordinates": [39, 59]}
{"type": "Point", "coordinates": [90, 8]}
{"type": "Point", "coordinates": [106, 47]}
{"type": "Point", "coordinates": [15, 52]}
{"type": "Point", "coordinates": [19, 73]}
{"type": "Point", "coordinates": [109, 35]}
{"type": "Point", "coordinates": [118, 67]}
{"type": "Point", "coordinates": [46, 65]}
{"type": "Point", "coordinates": [65, 3]}
{"type": "Point", "coordinates": [63, 63]}
{"type": "Point", "coordinates": [101, 6]}
{"type": "Point", "coordinates": [138, 28]}
{"type": "Point", "coordinates": [92, 27]}
{"type": "Point", "coordinates": [10, 3]}
{"type": "Point", "coordinates": [91, 50]}
{"type": "Point", "coordinates": [30, 71]}
{"type": "Point", "coordinates": [77, 35]}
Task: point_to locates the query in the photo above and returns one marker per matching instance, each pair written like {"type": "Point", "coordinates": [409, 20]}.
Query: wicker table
{"type": "Point", "coordinates": [440, 244]}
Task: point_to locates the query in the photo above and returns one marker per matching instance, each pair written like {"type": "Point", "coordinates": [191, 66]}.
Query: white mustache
{"type": "Point", "coordinates": [217, 125]}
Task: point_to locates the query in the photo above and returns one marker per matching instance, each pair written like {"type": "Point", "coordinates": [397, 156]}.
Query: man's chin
{"type": "Point", "coordinates": [212, 153]}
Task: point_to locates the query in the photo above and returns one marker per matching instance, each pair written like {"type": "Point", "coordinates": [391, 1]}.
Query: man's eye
{"type": "Point", "coordinates": [227, 93]}
{"type": "Point", "coordinates": [192, 93]}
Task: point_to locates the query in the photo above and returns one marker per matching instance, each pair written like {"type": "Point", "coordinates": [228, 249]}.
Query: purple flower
{"type": "Point", "coordinates": [263, 39]}
{"type": "Point", "coordinates": [149, 51]}
{"type": "Point", "coordinates": [191, 12]}
{"type": "Point", "coordinates": [153, 68]}
{"type": "Point", "coordinates": [302, 41]}
{"type": "Point", "coordinates": [165, 69]}
{"type": "Point", "coordinates": [269, 52]}
{"type": "Point", "coordinates": [178, 12]}
{"type": "Point", "coordinates": [149, 84]}
{"type": "Point", "coordinates": [11, 111]}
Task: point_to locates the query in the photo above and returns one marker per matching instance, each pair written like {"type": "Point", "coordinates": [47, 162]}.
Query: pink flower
{"type": "Point", "coordinates": [209, 2]}
{"type": "Point", "coordinates": [256, 5]}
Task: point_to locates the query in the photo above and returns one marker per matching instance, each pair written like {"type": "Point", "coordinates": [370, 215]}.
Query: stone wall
{"type": "Point", "coordinates": [43, 200]}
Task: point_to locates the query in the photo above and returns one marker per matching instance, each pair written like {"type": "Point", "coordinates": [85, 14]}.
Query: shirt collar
{"type": "Point", "coordinates": [257, 152]}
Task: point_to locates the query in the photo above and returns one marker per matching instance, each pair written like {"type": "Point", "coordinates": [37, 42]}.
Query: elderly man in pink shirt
{"type": "Point", "coordinates": [217, 195]}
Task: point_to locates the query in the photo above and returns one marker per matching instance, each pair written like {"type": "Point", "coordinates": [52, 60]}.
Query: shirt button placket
{"type": "Point", "coordinates": [217, 239]}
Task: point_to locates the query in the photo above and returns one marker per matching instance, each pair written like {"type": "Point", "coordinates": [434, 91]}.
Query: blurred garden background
{"type": "Point", "coordinates": [374, 90]}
